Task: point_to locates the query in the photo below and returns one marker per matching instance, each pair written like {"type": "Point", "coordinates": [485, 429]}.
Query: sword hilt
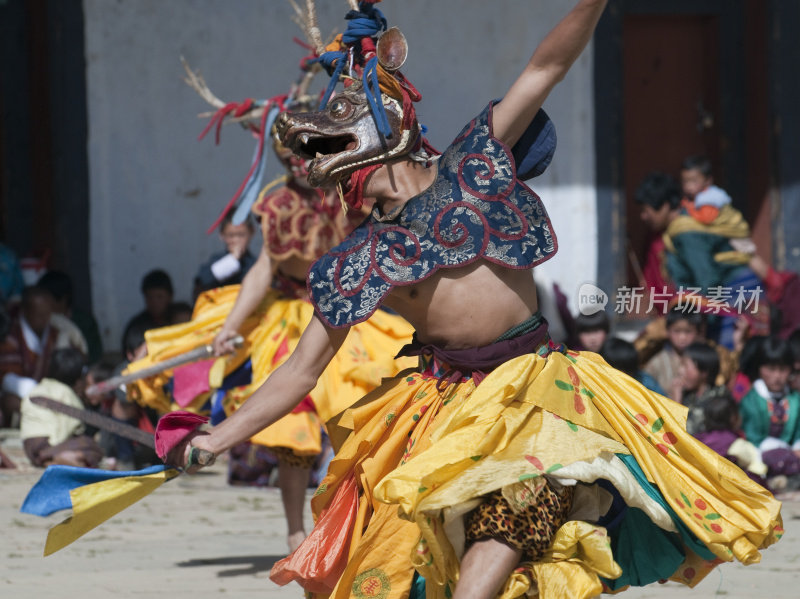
{"type": "Point", "coordinates": [200, 457]}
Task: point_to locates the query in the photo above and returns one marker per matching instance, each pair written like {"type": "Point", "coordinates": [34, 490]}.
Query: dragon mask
{"type": "Point", "coordinates": [344, 137]}
{"type": "Point", "coordinates": [369, 123]}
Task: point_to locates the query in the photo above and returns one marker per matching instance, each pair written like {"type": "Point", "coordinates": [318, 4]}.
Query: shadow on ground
{"type": "Point", "coordinates": [250, 564]}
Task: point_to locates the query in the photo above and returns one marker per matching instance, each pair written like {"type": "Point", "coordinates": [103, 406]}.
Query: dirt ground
{"type": "Point", "coordinates": [196, 537]}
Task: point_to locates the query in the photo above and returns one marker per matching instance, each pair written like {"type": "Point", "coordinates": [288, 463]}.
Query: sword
{"type": "Point", "coordinates": [102, 422]}
{"type": "Point", "coordinates": [198, 353]}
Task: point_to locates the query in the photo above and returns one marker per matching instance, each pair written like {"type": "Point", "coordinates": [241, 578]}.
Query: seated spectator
{"type": "Point", "coordinates": [59, 284]}
{"type": "Point", "coordinates": [50, 437]}
{"type": "Point", "coordinates": [180, 312]}
{"type": "Point", "coordinates": [683, 327]}
{"type": "Point", "coordinates": [128, 454]}
{"type": "Point", "coordinates": [771, 410]}
{"type": "Point", "coordinates": [157, 291]}
{"type": "Point", "coordinates": [69, 333]}
{"type": "Point", "coordinates": [695, 384]}
{"type": "Point", "coordinates": [26, 350]}
{"type": "Point", "coordinates": [623, 356]}
{"type": "Point", "coordinates": [251, 465]}
{"type": "Point", "coordinates": [97, 373]}
{"type": "Point", "coordinates": [553, 304]}
{"type": "Point", "coordinates": [228, 266]}
{"type": "Point", "coordinates": [747, 372]}
{"type": "Point", "coordinates": [591, 330]}
{"type": "Point", "coordinates": [723, 434]}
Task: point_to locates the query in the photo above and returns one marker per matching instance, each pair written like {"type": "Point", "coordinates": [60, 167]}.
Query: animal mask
{"type": "Point", "coordinates": [343, 137]}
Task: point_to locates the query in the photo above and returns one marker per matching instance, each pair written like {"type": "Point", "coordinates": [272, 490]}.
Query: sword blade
{"type": "Point", "coordinates": [102, 422]}
{"type": "Point", "coordinates": [198, 353]}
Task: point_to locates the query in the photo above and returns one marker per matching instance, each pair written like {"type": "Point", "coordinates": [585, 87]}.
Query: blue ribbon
{"type": "Point", "coordinates": [254, 183]}
{"type": "Point", "coordinates": [372, 90]}
{"type": "Point", "coordinates": [367, 21]}
{"type": "Point", "coordinates": [334, 64]}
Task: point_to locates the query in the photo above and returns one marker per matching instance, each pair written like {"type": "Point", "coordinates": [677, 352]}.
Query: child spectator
{"type": "Point", "coordinates": [59, 284]}
{"type": "Point", "coordinates": [229, 266]}
{"type": "Point", "coordinates": [157, 291]}
{"type": "Point", "coordinates": [747, 372]}
{"type": "Point", "coordinates": [771, 410]}
{"type": "Point", "coordinates": [704, 200]}
{"type": "Point", "coordinates": [130, 455]}
{"type": "Point", "coordinates": [50, 437]}
{"type": "Point", "coordinates": [623, 356]}
{"type": "Point", "coordinates": [722, 426]}
{"type": "Point", "coordinates": [97, 373]}
{"type": "Point", "coordinates": [180, 312]}
{"type": "Point", "coordinates": [684, 327]}
{"type": "Point", "coordinates": [69, 333]}
{"type": "Point", "coordinates": [591, 330]}
{"type": "Point", "coordinates": [695, 385]}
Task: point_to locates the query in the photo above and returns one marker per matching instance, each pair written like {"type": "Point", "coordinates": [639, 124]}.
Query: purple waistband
{"type": "Point", "coordinates": [477, 361]}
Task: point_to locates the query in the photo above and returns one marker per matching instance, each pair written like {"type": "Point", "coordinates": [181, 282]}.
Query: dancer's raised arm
{"type": "Point", "coordinates": [548, 65]}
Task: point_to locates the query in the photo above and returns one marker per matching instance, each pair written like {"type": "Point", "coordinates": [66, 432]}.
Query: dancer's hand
{"type": "Point", "coordinates": [193, 453]}
{"type": "Point", "coordinates": [224, 342]}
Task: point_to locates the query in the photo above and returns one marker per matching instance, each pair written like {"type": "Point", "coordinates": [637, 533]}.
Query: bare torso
{"type": "Point", "coordinates": [466, 307]}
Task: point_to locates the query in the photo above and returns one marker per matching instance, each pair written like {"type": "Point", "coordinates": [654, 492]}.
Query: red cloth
{"type": "Point", "coordinates": [783, 288]}
{"type": "Point", "coordinates": [17, 357]}
{"type": "Point", "coordinates": [190, 380]}
{"type": "Point", "coordinates": [173, 428]}
{"type": "Point", "coordinates": [307, 405]}
{"type": "Point", "coordinates": [321, 559]}
{"type": "Point", "coordinates": [654, 268]}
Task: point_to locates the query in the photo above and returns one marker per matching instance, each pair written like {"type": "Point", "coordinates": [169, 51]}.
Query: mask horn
{"type": "Point", "coordinates": [307, 21]}
{"type": "Point", "coordinates": [392, 49]}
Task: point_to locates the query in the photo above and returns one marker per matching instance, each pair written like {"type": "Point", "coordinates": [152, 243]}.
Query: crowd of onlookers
{"type": "Point", "coordinates": [743, 403]}
{"type": "Point", "coordinates": [723, 337]}
{"type": "Point", "coordinates": [51, 348]}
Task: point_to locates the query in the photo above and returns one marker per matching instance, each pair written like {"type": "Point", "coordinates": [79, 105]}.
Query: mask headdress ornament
{"type": "Point", "coordinates": [293, 224]}
{"type": "Point", "coordinates": [369, 123]}
{"type": "Point", "coordinates": [259, 116]}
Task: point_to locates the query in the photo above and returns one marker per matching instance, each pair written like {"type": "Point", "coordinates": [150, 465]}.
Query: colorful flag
{"type": "Point", "coordinates": [93, 495]}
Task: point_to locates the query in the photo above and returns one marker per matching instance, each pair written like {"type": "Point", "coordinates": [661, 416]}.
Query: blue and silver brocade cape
{"type": "Point", "coordinates": [476, 208]}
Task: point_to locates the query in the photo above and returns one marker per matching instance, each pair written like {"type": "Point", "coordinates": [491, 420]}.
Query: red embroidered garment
{"type": "Point", "coordinates": [302, 222]}
{"type": "Point", "coordinates": [17, 357]}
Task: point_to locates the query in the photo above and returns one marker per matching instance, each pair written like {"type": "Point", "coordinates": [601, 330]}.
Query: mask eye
{"type": "Point", "coordinates": [339, 108]}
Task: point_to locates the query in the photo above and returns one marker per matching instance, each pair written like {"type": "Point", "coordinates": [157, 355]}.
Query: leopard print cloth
{"type": "Point", "coordinates": [290, 458]}
{"type": "Point", "coordinates": [530, 531]}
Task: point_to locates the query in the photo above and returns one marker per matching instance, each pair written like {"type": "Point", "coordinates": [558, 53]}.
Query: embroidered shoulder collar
{"type": "Point", "coordinates": [476, 208]}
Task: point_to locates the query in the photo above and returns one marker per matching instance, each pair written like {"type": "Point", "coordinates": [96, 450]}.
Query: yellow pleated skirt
{"type": "Point", "coordinates": [270, 334]}
{"type": "Point", "coordinates": [422, 458]}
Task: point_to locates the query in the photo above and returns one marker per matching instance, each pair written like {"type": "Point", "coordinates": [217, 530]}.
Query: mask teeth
{"type": "Point", "coordinates": [341, 196]}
